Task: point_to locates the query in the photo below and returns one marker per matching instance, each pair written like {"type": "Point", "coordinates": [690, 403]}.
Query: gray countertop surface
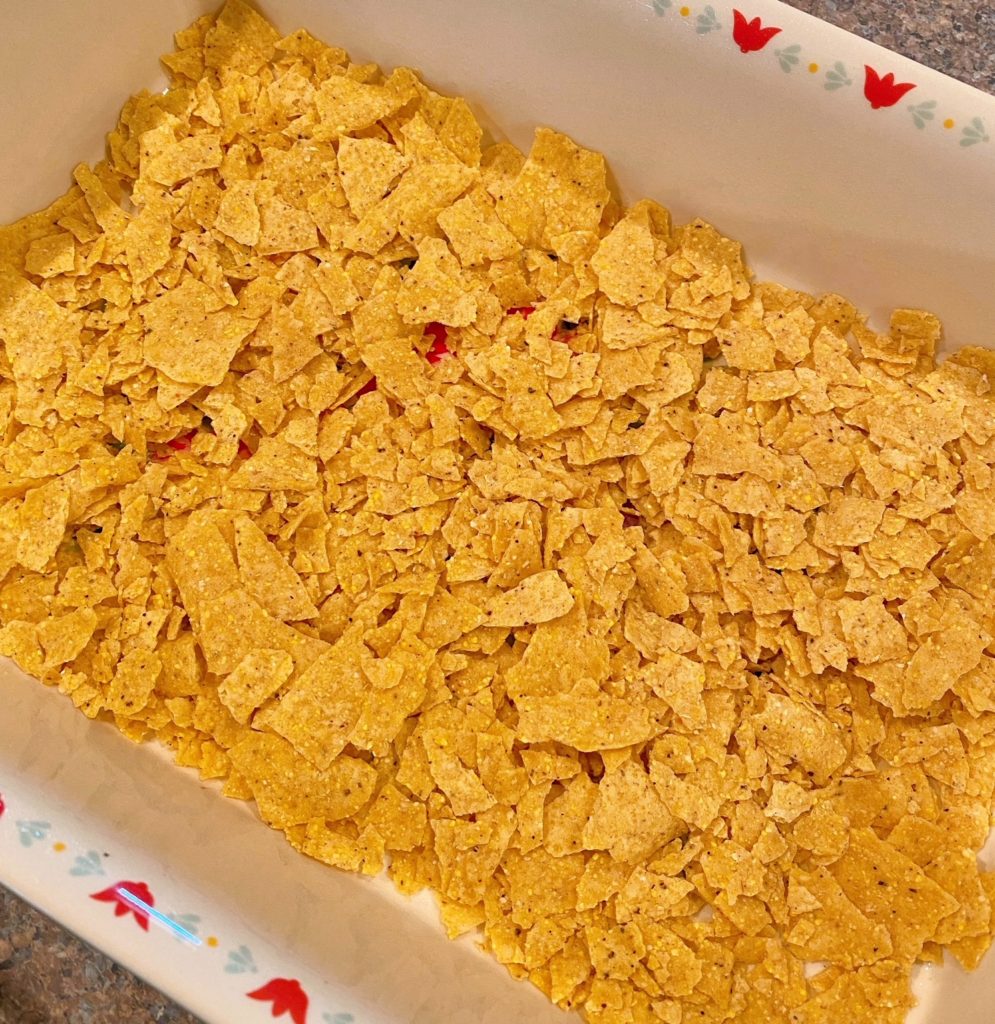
{"type": "Point", "coordinates": [47, 976]}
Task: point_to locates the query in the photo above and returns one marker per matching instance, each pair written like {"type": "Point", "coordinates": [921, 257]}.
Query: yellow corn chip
{"type": "Point", "coordinates": [254, 680]}
{"type": "Point", "coordinates": [51, 255]}
{"type": "Point", "coordinates": [537, 598]}
{"type": "Point", "coordinates": [560, 188]}
{"type": "Point", "coordinates": [434, 290]}
{"type": "Point", "coordinates": [190, 337]}
{"type": "Point", "coordinates": [367, 169]}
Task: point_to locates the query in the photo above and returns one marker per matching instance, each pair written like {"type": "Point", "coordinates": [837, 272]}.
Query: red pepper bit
{"type": "Point", "coordinates": [176, 444]}
{"type": "Point", "coordinates": [524, 311]}
{"type": "Point", "coordinates": [564, 334]}
{"type": "Point", "coordinates": [370, 385]}
{"type": "Point", "coordinates": [183, 442]}
{"type": "Point", "coordinates": [438, 334]}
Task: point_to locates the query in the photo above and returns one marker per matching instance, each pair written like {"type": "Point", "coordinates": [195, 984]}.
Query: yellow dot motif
{"type": "Point", "coordinates": [813, 67]}
{"type": "Point", "coordinates": [685, 11]}
{"type": "Point", "coordinates": [949, 123]}
{"type": "Point", "coordinates": [212, 941]}
{"type": "Point", "coordinates": [59, 847]}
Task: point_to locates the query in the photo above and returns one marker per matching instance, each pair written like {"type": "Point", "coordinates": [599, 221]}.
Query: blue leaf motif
{"type": "Point", "coordinates": [788, 57]}
{"type": "Point", "coordinates": [922, 112]}
{"type": "Point", "coordinates": [838, 73]}
{"type": "Point", "coordinates": [837, 77]}
{"type": "Point", "coordinates": [87, 864]}
{"type": "Point", "coordinates": [707, 21]}
{"type": "Point", "coordinates": [240, 962]}
{"type": "Point", "coordinates": [32, 832]}
{"type": "Point", "coordinates": [188, 922]}
{"type": "Point", "coordinates": [974, 133]}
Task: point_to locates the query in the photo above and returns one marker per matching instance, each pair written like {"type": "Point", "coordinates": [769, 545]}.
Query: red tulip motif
{"type": "Point", "coordinates": [883, 91]}
{"type": "Point", "coordinates": [751, 35]}
{"type": "Point", "coordinates": [3, 806]}
{"type": "Point", "coordinates": [287, 996]}
{"type": "Point", "coordinates": [119, 894]}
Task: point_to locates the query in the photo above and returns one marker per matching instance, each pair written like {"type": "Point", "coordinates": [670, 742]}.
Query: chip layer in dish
{"type": "Point", "coordinates": [482, 530]}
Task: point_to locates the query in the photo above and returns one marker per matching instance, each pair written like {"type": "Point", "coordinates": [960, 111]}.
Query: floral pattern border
{"type": "Point", "coordinates": [881, 89]}
{"type": "Point", "coordinates": [135, 902]}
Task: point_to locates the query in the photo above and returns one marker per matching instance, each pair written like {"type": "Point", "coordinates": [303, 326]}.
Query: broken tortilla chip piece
{"type": "Point", "coordinates": [190, 337]}
{"type": "Point", "coordinates": [290, 791]}
{"type": "Point", "coordinates": [538, 598]}
{"type": "Point", "coordinates": [255, 679]}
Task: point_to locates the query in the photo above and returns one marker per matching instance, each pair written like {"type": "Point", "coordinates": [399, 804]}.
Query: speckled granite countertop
{"type": "Point", "coordinates": [47, 976]}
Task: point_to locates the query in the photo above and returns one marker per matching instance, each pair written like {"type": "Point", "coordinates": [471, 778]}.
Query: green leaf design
{"type": "Point", "coordinates": [87, 864]}
{"type": "Point", "coordinates": [837, 77]}
{"type": "Point", "coordinates": [662, 6]}
{"type": "Point", "coordinates": [974, 133]}
{"type": "Point", "coordinates": [240, 961]}
{"type": "Point", "coordinates": [189, 922]}
{"type": "Point", "coordinates": [30, 832]}
{"type": "Point", "coordinates": [707, 21]}
{"type": "Point", "coordinates": [788, 57]}
{"type": "Point", "coordinates": [922, 112]}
